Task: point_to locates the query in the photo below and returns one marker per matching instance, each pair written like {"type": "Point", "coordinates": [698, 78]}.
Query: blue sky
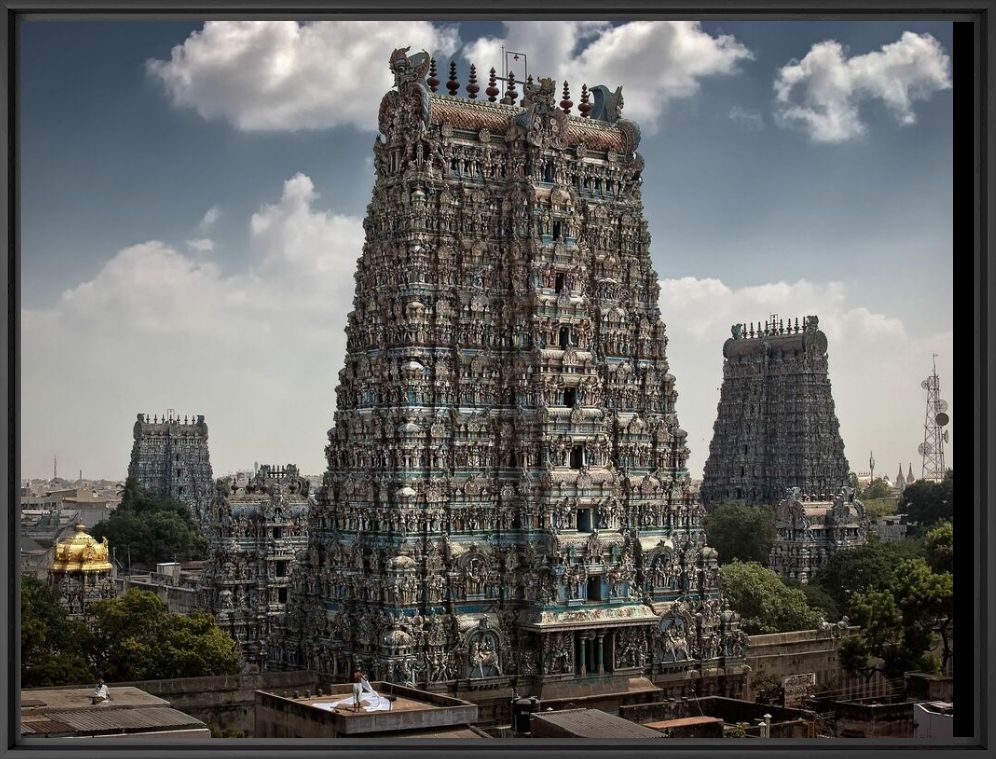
{"type": "Point", "coordinates": [834, 200]}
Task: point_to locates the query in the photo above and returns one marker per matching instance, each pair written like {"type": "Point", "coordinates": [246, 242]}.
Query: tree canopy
{"type": "Point", "coordinates": [901, 622]}
{"type": "Point", "coordinates": [133, 637]}
{"type": "Point", "coordinates": [152, 527]}
{"type": "Point", "coordinates": [927, 503]}
{"type": "Point", "coordinates": [875, 489]}
{"type": "Point", "coordinates": [863, 568]}
{"type": "Point", "coordinates": [51, 643]}
{"type": "Point", "coordinates": [739, 532]}
{"type": "Point", "coordinates": [765, 603]}
{"type": "Point", "coordinates": [939, 547]}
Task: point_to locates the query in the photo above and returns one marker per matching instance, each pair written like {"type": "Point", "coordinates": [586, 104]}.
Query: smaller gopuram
{"type": "Point", "coordinates": [170, 458]}
{"type": "Point", "coordinates": [809, 530]}
{"type": "Point", "coordinates": [258, 532]}
{"type": "Point", "coordinates": [81, 572]}
{"type": "Point", "coordinates": [776, 427]}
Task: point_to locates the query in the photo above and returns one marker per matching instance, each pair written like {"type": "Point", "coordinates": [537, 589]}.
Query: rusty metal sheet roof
{"type": "Point", "coordinates": [592, 723]}
{"type": "Point", "coordinates": [44, 726]}
{"type": "Point", "coordinates": [123, 720]}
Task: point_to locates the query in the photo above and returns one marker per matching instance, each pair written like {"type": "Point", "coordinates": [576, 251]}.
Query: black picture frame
{"type": "Point", "coordinates": [974, 180]}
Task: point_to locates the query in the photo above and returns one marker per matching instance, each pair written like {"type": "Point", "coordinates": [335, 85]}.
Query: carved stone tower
{"type": "Point", "coordinates": [506, 501]}
{"type": "Point", "coordinates": [170, 457]}
{"type": "Point", "coordinates": [258, 532]}
{"type": "Point", "coordinates": [776, 427]}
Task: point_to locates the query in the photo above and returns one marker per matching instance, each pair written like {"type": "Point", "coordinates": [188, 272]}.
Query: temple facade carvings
{"type": "Point", "coordinates": [170, 457]}
{"type": "Point", "coordinates": [506, 499]}
{"type": "Point", "coordinates": [258, 533]}
{"type": "Point", "coordinates": [776, 427]}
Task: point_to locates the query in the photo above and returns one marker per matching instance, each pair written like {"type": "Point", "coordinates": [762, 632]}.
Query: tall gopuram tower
{"type": "Point", "coordinates": [170, 457]}
{"type": "Point", "coordinates": [776, 427]}
{"type": "Point", "coordinates": [506, 505]}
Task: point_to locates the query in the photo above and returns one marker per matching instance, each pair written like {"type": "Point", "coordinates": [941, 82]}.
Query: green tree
{"type": "Point", "coordinates": [927, 503]}
{"type": "Point", "coordinates": [135, 637]}
{"type": "Point", "coordinates": [901, 622]}
{"type": "Point", "coordinates": [51, 651]}
{"type": "Point", "coordinates": [863, 568]}
{"type": "Point", "coordinates": [739, 532]}
{"type": "Point", "coordinates": [879, 507]}
{"type": "Point", "coordinates": [877, 488]}
{"type": "Point", "coordinates": [939, 548]}
{"type": "Point", "coordinates": [152, 528]}
{"type": "Point", "coordinates": [764, 602]}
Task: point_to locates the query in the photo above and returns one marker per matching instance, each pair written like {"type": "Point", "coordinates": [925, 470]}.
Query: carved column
{"type": "Point", "coordinates": [601, 662]}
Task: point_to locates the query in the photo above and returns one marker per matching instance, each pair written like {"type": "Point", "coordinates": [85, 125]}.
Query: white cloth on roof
{"type": "Point", "coordinates": [371, 699]}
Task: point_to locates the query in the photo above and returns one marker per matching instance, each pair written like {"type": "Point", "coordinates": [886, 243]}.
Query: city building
{"type": "Point", "coordinates": [776, 426]}
{"type": "Point", "coordinates": [128, 713]}
{"type": "Point", "coordinates": [328, 713]}
{"type": "Point", "coordinates": [587, 723]}
{"type": "Point", "coordinates": [507, 499]}
{"type": "Point", "coordinates": [81, 572]}
{"type": "Point", "coordinates": [170, 457]}
{"type": "Point", "coordinates": [258, 531]}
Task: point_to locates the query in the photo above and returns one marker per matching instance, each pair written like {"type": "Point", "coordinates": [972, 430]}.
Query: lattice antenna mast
{"type": "Point", "coordinates": [934, 435]}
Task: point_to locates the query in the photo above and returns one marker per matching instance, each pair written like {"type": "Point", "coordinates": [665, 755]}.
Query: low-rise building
{"type": "Point", "coordinates": [328, 713]}
{"type": "Point", "coordinates": [587, 723]}
{"type": "Point", "coordinates": [128, 713]}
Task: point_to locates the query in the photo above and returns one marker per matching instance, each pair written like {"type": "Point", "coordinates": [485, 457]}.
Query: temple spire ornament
{"type": "Point", "coordinates": [453, 85]}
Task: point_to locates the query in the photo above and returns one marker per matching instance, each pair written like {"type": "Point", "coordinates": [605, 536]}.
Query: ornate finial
{"type": "Point", "coordinates": [453, 85]}
{"type": "Point", "coordinates": [472, 87]}
{"type": "Point", "coordinates": [433, 81]}
{"type": "Point", "coordinates": [584, 108]}
{"type": "Point", "coordinates": [566, 103]}
{"type": "Point", "coordinates": [510, 94]}
{"type": "Point", "coordinates": [529, 83]}
{"type": "Point", "coordinates": [492, 90]}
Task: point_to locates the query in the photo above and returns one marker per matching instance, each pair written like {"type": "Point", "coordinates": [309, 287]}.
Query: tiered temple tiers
{"type": "Point", "coordinates": [506, 501]}
{"type": "Point", "coordinates": [258, 530]}
{"type": "Point", "coordinates": [776, 427]}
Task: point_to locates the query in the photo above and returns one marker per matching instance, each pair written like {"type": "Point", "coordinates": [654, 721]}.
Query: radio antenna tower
{"type": "Point", "coordinates": [934, 435]}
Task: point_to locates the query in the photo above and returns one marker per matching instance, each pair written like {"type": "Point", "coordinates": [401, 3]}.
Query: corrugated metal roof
{"type": "Point", "coordinates": [592, 723]}
{"type": "Point", "coordinates": [682, 722]}
{"type": "Point", "coordinates": [126, 720]}
{"type": "Point", "coordinates": [44, 726]}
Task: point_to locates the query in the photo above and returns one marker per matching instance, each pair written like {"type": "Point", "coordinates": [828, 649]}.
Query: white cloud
{"type": "Point", "coordinates": [201, 245]}
{"type": "Point", "coordinates": [748, 119]}
{"type": "Point", "coordinates": [656, 61]}
{"type": "Point", "coordinates": [285, 75]}
{"type": "Point", "coordinates": [876, 365]}
{"type": "Point", "coordinates": [821, 94]}
{"type": "Point", "coordinates": [257, 351]}
{"type": "Point", "coordinates": [210, 217]}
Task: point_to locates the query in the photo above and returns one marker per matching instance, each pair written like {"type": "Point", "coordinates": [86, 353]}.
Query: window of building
{"type": "Point", "coordinates": [282, 595]}
{"type": "Point", "coordinates": [743, 471]}
{"type": "Point", "coordinates": [281, 569]}
{"type": "Point", "coordinates": [594, 588]}
{"type": "Point", "coordinates": [584, 520]}
{"type": "Point", "coordinates": [577, 457]}
{"type": "Point", "coordinates": [559, 283]}
{"type": "Point", "coordinates": [548, 172]}
{"type": "Point", "coordinates": [278, 532]}
{"type": "Point", "coordinates": [565, 337]}
{"type": "Point", "coordinates": [557, 228]}
{"type": "Point", "coordinates": [571, 397]}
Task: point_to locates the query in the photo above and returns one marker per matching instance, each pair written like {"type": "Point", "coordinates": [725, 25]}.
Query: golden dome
{"type": "Point", "coordinates": [81, 553]}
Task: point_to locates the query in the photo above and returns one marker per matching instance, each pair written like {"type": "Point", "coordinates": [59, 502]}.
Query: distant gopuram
{"type": "Point", "coordinates": [776, 427]}
{"type": "Point", "coordinates": [506, 503]}
{"type": "Point", "coordinates": [170, 457]}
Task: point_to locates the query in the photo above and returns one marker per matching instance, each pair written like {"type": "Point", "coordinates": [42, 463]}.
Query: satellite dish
{"type": "Point", "coordinates": [941, 405]}
{"type": "Point", "coordinates": [925, 384]}
{"type": "Point", "coordinates": [942, 419]}
{"type": "Point", "coordinates": [945, 436]}
{"type": "Point", "coordinates": [922, 449]}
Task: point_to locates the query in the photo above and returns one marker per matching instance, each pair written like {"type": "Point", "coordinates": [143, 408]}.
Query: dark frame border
{"type": "Point", "coordinates": [974, 163]}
